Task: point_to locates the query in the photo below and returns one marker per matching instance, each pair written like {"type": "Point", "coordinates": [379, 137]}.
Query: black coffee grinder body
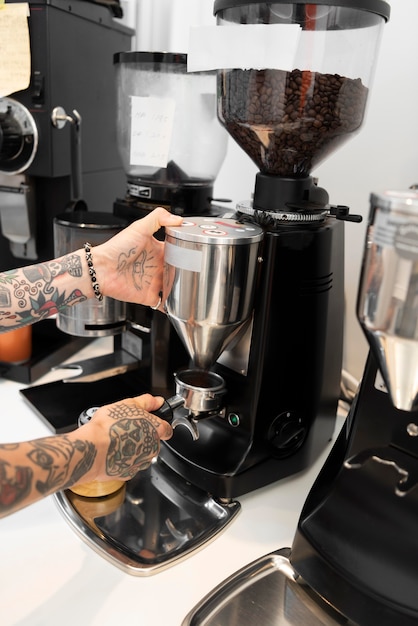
{"type": "Point", "coordinates": [356, 541]}
{"type": "Point", "coordinates": [288, 114]}
{"type": "Point", "coordinates": [283, 373]}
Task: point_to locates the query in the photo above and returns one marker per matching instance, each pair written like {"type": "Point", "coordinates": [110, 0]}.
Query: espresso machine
{"type": "Point", "coordinates": [255, 295]}
{"type": "Point", "coordinates": [57, 136]}
{"type": "Point", "coordinates": [57, 146]}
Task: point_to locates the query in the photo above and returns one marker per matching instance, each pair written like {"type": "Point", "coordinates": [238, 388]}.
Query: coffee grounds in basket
{"type": "Point", "coordinates": [288, 122]}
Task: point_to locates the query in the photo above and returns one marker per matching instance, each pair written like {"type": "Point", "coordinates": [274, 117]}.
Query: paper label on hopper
{"type": "Point", "coordinates": [151, 130]}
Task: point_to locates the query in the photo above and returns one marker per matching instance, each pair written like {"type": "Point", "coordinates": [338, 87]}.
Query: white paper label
{"type": "Point", "coordinates": [151, 130]}
{"type": "Point", "coordinates": [15, 66]}
{"type": "Point", "coordinates": [278, 47]}
{"type": "Point", "coordinates": [250, 46]}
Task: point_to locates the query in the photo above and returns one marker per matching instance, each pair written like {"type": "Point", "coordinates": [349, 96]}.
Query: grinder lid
{"type": "Point", "coordinates": [405, 200]}
{"type": "Point", "coordinates": [215, 230]}
{"type": "Point", "coordinates": [380, 7]}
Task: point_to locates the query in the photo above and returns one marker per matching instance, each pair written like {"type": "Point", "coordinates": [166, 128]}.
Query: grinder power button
{"type": "Point", "coordinates": [287, 432]}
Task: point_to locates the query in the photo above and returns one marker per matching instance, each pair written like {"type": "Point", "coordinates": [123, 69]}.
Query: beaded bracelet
{"type": "Point", "coordinates": [89, 258]}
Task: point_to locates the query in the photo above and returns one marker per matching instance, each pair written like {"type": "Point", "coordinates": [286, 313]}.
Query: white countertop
{"type": "Point", "coordinates": [50, 577]}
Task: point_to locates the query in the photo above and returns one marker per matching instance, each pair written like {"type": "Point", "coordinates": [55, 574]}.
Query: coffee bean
{"type": "Point", "coordinates": [288, 122]}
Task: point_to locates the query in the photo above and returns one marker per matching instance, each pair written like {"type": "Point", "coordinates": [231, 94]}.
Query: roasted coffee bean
{"type": "Point", "coordinates": [288, 122]}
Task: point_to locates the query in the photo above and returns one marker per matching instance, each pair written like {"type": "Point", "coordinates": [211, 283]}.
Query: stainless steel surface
{"type": "Point", "coordinates": [59, 118]}
{"type": "Point", "coordinates": [266, 592]}
{"type": "Point", "coordinates": [91, 318]}
{"type": "Point", "coordinates": [388, 293]}
{"type": "Point", "coordinates": [199, 395]}
{"type": "Point", "coordinates": [17, 214]}
{"type": "Point", "coordinates": [153, 522]}
{"type": "Point", "coordinates": [285, 216]}
{"type": "Point", "coordinates": [211, 272]}
{"type": "Point", "coordinates": [201, 390]}
{"type": "Point", "coordinates": [176, 418]}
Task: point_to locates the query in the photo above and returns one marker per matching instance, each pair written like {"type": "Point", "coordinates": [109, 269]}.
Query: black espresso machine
{"type": "Point", "coordinates": [255, 372]}
{"type": "Point", "coordinates": [40, 152]}
{"type": "Point", "coordinates": [57, 144]}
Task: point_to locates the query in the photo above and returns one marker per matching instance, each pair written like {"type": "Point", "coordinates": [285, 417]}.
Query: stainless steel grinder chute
{"type": "Point", "coordinates": [210, 282]}
{"type": "Point", "coordinates": [209, 285]}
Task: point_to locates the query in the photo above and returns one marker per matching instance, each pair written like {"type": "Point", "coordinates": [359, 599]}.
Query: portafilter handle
{"type": "Point", "coordinates": [166, 412]}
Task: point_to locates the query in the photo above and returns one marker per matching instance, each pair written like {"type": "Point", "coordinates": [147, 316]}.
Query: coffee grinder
{"type": "Point", "coordinates": [356, 542]}
{"type": "Point", "coordinates": [169, 138]}
{"type": "Point", "coordinates": [172, 146]}
{"type": "Point", "coordinates": [288, 112]}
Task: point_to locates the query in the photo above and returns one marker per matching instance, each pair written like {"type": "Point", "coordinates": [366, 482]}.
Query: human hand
{"type": "Point", "coordinates": [129, 266]}
{"type": "Point", "coordinates": [126, 436]}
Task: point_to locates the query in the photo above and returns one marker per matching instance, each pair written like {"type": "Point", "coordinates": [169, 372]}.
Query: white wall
{"type": "Point", "coordinates": [163, 25]}
{"type": "Point", "coordinates": [384, 155]}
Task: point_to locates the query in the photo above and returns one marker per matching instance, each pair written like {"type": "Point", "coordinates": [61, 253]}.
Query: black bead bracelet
{"type": "Point", "coordinates": [89, 258]}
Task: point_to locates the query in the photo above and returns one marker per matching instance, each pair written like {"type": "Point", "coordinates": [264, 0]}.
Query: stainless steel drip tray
{"type": "Point", "coordinates": [267, 592]}
{"type": "Point", "coordinates": [152, 522]}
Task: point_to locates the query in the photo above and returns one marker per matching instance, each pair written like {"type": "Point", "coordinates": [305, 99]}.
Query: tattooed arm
{"type": "Point", "coordinates": [129, 267]}
{"type": "Point", "coordinates": [120, 439]}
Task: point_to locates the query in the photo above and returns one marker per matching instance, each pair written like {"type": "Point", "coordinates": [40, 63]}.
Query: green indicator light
{"type": "Point", "coordinates": [233, 419]}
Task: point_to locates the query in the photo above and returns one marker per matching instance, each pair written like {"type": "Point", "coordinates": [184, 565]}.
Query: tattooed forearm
{"type": "Point", "coordinates": [33, 293]}
{"type": "Point", "coordinates": [58, 462]}
{"type": "Point", "coordinates": [44, 466]}
{"type": "Point", "coordinates": [15, 485]}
